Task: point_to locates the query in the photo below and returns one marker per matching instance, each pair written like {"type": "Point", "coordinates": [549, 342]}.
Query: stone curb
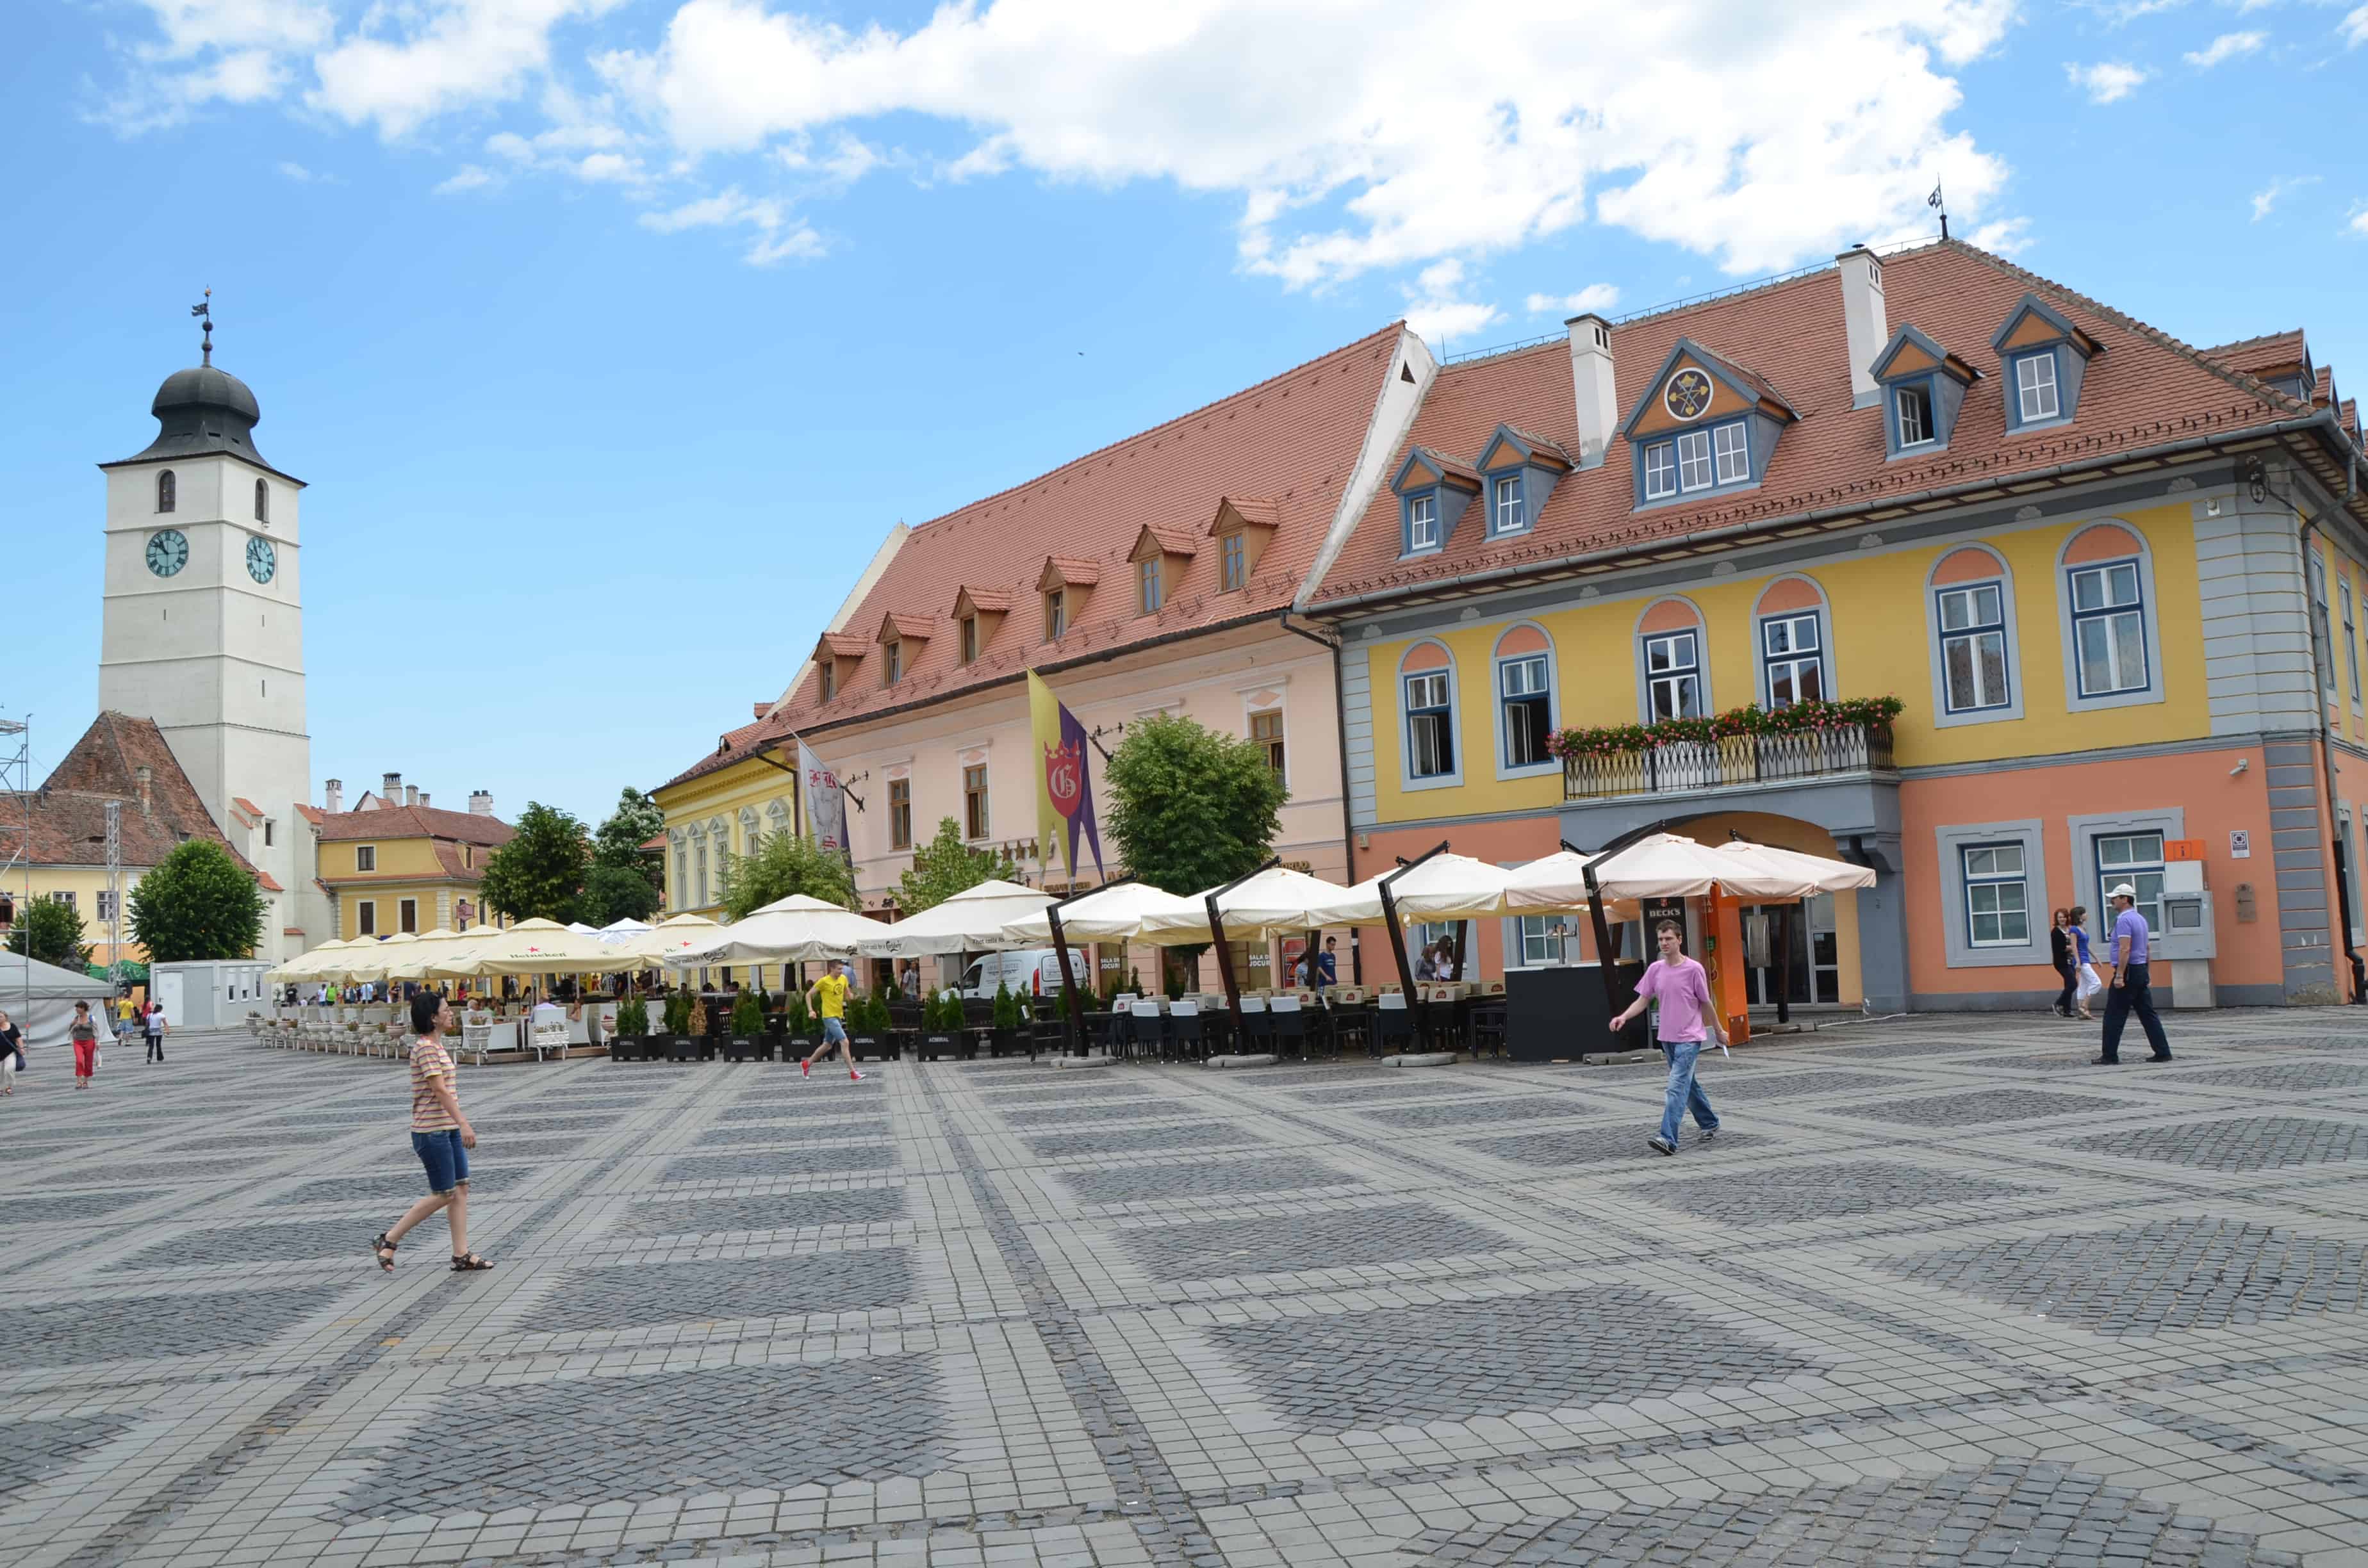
{"type": "Point", "coordinates": [1421, 1058]}
{"type": "Point", "coordinates": [1221, 1063]}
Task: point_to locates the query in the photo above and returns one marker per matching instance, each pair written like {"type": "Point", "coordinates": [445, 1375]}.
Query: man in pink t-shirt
{"type": "Point", "coordinates": [1687, 1017]}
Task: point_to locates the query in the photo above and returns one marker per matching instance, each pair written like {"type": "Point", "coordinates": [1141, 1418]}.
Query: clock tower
{"type": "Point", "coordinates": [203, 630]}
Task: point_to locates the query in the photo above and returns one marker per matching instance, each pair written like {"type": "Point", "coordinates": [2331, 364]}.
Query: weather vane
{"type": "Point", "coordinates": [204, 311]}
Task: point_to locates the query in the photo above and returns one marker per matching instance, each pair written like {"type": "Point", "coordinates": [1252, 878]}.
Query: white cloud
{"type": "Point", "coordinates": [1596, 297]}
{"type": "Point", "coordinates": [2354, 28]}
{"type": "Point", "coordinates": [2267, 199]}
{"type": "Point", "coordinates": [2119, 13]}
{"type": "Point", "coordinates": [2227, 47]}
{"type": "Point", "coordinates": [2004, 236]}
{"type": "Point", "coordinates": [777, 237]}
{"type": "Point", "coordinates": [1345, 136]}
{"type": "Point", "coordinates": [1435, 310]}
{"type": "Point", "coordinates": [303, 176]}
{"type": "Point", "coordinates": [2359, 224]}
{"type": "Point", "coordinates": [2108, 81]}
{"type": "Point", "coordinates": [469, 177]}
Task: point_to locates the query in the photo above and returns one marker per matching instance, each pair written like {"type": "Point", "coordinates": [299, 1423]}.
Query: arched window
{"type": "Point", "coordinates": [1525, 700]}
{"type": "Point", "coordinates": [1969, 600]}
{"type": "Point", "coordinates": [1673, 667]}
{"type": "Point", "coordinates": [2105, 591]}
{"type": "Point", "coordinates": [1429, 758]}
{"type": "Point", "coordinates": [166, 489]}
{"type": "Point", "coordinates": [262, 501]}
{"type": "Point", "coordinates": [1794, 636]}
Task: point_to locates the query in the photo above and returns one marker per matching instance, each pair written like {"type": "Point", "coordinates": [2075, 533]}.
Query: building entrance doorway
{"type": "Point", "coordinates": [1796, 957]}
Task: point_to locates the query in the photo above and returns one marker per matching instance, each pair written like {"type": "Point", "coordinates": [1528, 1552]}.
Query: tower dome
{"type": "Point", "coordinates": [203, 409]}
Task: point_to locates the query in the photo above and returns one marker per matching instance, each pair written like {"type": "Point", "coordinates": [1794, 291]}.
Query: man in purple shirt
{"type": "Point", "coordinates": [2127, 951]}
{"type": "Point", "coordinates": [1686, 1016]}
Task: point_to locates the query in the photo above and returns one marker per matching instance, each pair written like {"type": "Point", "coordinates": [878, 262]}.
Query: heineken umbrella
{"type": "Point", "coordinates": [311, 963]}
{"type": "Point", "coordinates": [971, 921]}
{"type": "Point", "coordinates": [371, 964]}
{"type": "Point", "coordinates": [1813, 874]}
{"type": "Point", "coordinates": [652, 944]}
{"type": "Point", "coordinates": [796, 929]}
{"type": "Point", "coordinates": [435, 952]}
{"type": "Point", "coordinates": [1114, 914]}
{"type": "Point", "coordinates": [537, 946]}
{"type": "Point", "coordinates": [1272, 903]}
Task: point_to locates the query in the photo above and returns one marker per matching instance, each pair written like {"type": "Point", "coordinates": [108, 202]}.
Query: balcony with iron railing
{"type": "Point", "coordinates": [1753, 755]}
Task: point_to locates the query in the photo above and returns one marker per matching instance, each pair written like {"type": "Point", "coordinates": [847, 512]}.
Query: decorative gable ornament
{"type": "Point", "coordinates": [1704, 423]}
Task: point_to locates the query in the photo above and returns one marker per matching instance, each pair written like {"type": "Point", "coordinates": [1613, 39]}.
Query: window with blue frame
{"type": "Point", "coordinates": [1422, 523]}
{"type": "Point", "coordinates": [2109, 644]}
{"type": "Point", "coordinates": [1430, 724]}
{"type": "Point", "coordinates": [1509, 516]}
{"type": "Point", "coordinates": [1793, 652]}
{"type": "Point", "coordinates": [1698, 460]}
{"type": "Point", "coordinates": [1660, 470]}
{"type": "Point", "coordinates": [1522, 691]}
{"type": "Point", "coordinates": [2036, 391]}
{"type": "Point", "coordinates": [1673, 676]}
{"type": "Point", "coordinates": [1912, 408]}
{"type": "Point", "coordinates": [1972, 647]}
{"type": "Point", "coordinates": [2135, 858]}
{"type": "Point", "coordinates": [1998, 913]}
{"type": "Point", "coordinates": [2351, 642]}
{"type": "Point", "coordinates": [1732, 450]}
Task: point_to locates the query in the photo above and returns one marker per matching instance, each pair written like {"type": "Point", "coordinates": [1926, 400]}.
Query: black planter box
{"type": "Point", "coordinates": [739, 1048]}
{"type": "Point", "coordinates": [934, 1046]}
{"type": "Point", "coordinates": [628, 1048]}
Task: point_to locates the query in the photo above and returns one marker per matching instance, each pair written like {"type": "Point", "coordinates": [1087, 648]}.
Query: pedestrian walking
{"type": "Point", "coordinates": [2060, 954]}
{"type": "Point", "coordinates": [85, 1035]}
{"type": "Point", "coordinates": [12, 1053]}
{"type": "Point", "coordinates": [127, 1017]}
{"type": "Point", "coordinates": [155, 1025]}
{"type": "Point", "coordinates": [828, 998]}
{"type": "Point", "coordinates": [1688, 1017]}
{"type": "Point", "coordinates": [440, 1136]}
{"type": "Point", "coordinates": [2085, 983]}
{"type": "Point", "coordinates": [2130, 990]}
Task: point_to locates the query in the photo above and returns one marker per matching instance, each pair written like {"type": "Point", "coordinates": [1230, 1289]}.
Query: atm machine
{"type": "Point", "coordinates": [2188, 940]}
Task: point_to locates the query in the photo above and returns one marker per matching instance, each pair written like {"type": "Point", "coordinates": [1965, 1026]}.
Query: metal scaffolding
{"type": "Point", "coordinates": [16, 865]}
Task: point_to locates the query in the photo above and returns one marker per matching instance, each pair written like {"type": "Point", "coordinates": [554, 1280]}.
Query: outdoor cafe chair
{"type": "Point", "coordinates": [1392, 1024]}
{"type": "Point", "coordinates": [1489, 1026]}
{"type": "Point", "coordinates": [1287, 1026]}
{"type": "Point", "coordinates": [1185, 1033]}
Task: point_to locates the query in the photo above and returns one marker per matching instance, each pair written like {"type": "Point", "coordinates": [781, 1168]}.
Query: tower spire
{"type": "Point", "coordinates": [204, 311]}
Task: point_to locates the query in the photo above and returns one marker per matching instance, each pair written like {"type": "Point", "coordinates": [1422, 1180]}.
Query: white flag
{"type": "Point", "coordinates": [825, 805]}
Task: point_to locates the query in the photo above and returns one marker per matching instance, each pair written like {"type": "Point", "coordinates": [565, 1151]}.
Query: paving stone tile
{"type": "Point", "coordinates": [1107, 1110]}
{"type": "Point", "coordinates": [793, 1132]}
{"type": "Point", "coordinates": [405, 1188]}
{"type": "Point", "coordinates": [779, 1212]}
{"type": "Point", "coordinates": [1297, 1243]}
{"type": "Point", "coordinates": [1982, 1106]}
{"type": "Point", "coordinates": [1591, 1147]}
{"type": "Point", "coordinates": [1145, 1140]}
{"type": "Point", "coordinates": [1786, 1195]}
{"type": "Point", "coordinates": [2240, 1143]}
{"type": "Point", "coordinates": [1463, 1112]}
{"type": "Point", "coordinates": [346, 1237]}
{"type": "Point", "coordinates": [32, 1451]}
{"type": "Point", "coordinates": [1204, 1178]}
{"type": "Point", "coordinates": [640, 1295]}
{"type": "Point", "coordinates": [812, 1159]}
{"type": "Point", "coordinates": [71, 1208]}
{"type": "Point", "coordinates": [1721, 1084]}
{"type": "Point", "coordinates": [118, 1328]}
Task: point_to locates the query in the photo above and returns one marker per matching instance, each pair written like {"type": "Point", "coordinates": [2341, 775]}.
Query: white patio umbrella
{"type": "Point", "coordinates": [581, 930]}
{"type": "Point", "coordinates": [1813, 873]}
{"type": "Point", "coordinates": [622, 930]}
{"type": "Point", "coordinates": [1114, 914]}
{"type": "Point", "coordinates": [1556, 884]}
{"type": "Point", "coordinates": [653, 946]}
{"type": "Point", "coordinates": [971, 921]}
{"type": "Point", "coordinates": [1273, 902]}
{"type": "Point", "coordinates": [536, 947]}
{"type": "Point", "coordinates": [796, 929]}
{"type": "Point", "coordinates": [370, 957]}
{"type": "Point", "coordinates": [435, 951]}
{"type": "Point", "coordinates": [1445, 886]}
{"type": "Point", "coordinates": [316, 963]}
{"type": "Point", "coordinates": [1669, 865]}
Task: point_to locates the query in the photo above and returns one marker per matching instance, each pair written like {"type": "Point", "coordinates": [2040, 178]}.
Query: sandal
{"type": "Point", "coordinates": [383, 1250]}
{"type": "Point", "coordinates": [468, 1262]}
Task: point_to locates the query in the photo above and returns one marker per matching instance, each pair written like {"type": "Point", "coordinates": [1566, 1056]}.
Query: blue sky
{"type": "Point", "coordinates": [612, 335]}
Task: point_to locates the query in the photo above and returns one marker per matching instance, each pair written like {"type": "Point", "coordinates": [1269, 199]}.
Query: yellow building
{"type": "Point", "coordinates": [57, 834]}
{"type": "Point", "coordinates": [395, 864]}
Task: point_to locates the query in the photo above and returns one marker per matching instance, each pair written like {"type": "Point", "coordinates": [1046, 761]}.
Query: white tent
{"type": "Point", "coordinates": [1445, 886]}
{"type": "Point", "coordinates": [1273, 902]}
{"type": "Point", "coordinates": [38, 999]}
{"type": "Point", "coordinates": [971, 921]}
{"type": "Point", "coordinates": [535, 946]}
{"type": "Point", "coordinates": [622, 930]}
{"type": "Point", "coordinates": [1813, 874]}
{"type": "Point", "coordinates": [796, 929]}
{"type": "Point", "coordinates": [1114, 914]}
{"type": "Point", "coordinates": [1667, 865]}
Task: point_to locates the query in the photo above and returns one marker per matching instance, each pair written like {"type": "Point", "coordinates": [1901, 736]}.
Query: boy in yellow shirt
{"type": "Point", "coordinates": [827, 997]}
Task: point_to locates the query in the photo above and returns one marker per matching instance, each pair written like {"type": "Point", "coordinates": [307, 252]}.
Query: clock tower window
{"type": "Point", "coordinates": [262, 500]}
{"type": "Point", "coordinates": [167, 489]}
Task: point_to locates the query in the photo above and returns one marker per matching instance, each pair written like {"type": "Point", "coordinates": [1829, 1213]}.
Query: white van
{"type": "Point", "coordinates": [1029, 972]}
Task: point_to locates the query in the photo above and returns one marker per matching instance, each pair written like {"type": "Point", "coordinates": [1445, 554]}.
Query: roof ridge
{"type": "Point", "coordinates": [1085, 457]}
{"type": "Point", "coordinates": [2237, 379]}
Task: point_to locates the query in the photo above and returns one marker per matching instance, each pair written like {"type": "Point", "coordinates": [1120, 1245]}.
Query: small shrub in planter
{"type": "Point", "coordinates": [940, 1027]}
{"type": "Point", "coordinates": [748, 1013]}
{"type": "Point", "coordinates": [863, 1031]}
{"type": "Point", "coordinates": [1006, 1021]}
{"type": "Point", "coordinates": [632, 1030]}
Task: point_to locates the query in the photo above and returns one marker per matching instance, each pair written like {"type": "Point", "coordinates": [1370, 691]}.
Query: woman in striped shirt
{"type": "Point", "coordinates": [440, 1136]}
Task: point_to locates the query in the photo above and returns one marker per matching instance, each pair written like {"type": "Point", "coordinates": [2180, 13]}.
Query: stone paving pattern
{"type": "Point", "coordinates": [1939, 1293]}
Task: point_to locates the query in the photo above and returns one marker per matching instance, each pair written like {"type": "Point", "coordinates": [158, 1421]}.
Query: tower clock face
{"type": "Point", "coordinates": [168, 552]}
{"type": "Point", "coordinates": [1688, 393]}
{"type": "Point", "coordinates": [262, 561]}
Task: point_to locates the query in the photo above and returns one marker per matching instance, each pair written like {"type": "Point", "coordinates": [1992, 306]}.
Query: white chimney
{"type": "Point", "coordinates": [1864, 320]}
{"type": "Point", "coordinates": [481, 804]}
{"type": "Point", "coordinates": [1595, 394]}
{"type": "Point", "coordinates": [389, 788]}
{"type": "Point", "coordinates": [423, 797]}
{"type": "Point", "coordinates": [333, 795]}
{"type": "Point", "coordinates": [411, 794]}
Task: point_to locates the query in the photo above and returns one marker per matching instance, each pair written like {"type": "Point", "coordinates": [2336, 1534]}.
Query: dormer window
{"type": "Point", "coordinates": [893, 661]}
{"type": "Point", "coordinates": [1056, 615]}
{"type": "Point", "coordinates": [2045, 359]}
{"type": "Point", "coordinates": [829, 680]}
{"type": "Point", "coordinates": [2035, 387]}
{"type": "Point", "coordinates": [1243, 527]}
{"type": "Point", "coordinates": [1508, 517]}
{"type": "Point", "coordinates": [1521, 470]}
{"type": "Point", "coordinates": [1147, 577]}
{"type": "Point", "coordinates": [1433, 490]}
{"type": "Point", "coordinates": [1161, 557]}
{"type": "Point", "coordinates": [968, 638]}
{"type": "Point", "coordinates": [1067, 584]}
{"type": "Point", "coordinates": [1233, 555]}
{"type": "Point", "coordinates": [1422, 523]}
{"type": "Point", "coordinates": [1705, 425]}
{"type": "Point", "coordinates": [1912, 406]}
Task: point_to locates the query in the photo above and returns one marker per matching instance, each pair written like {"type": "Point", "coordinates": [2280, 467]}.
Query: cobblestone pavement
{"type": "Point", "coordinates": [1938, 1294]}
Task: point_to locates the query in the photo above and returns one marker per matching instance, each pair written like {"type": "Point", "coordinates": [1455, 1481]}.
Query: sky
{"type": "Point", "coordinates": [612, 336]}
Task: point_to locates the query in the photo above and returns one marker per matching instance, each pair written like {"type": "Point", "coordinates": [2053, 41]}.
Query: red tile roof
{"type": "Point", "coordinates": [1292, 441]}
{"type": "Point", "coordinates": [416, 822]}
{"type": "Point", "coordinates": [2149, 389]}
{"type": "Point", "coordinates": [249, 807]}
{"type": "Point", "coordinates": [907, 623]}
{"type": "Point", "coordinates": [310, 813]}
{"type": "Point", "coordinates": [2260, 356]}
{"type": "Point", "coordinates": [69, 810]}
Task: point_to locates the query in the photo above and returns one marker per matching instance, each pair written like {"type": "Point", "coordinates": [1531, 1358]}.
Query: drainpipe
{"type": "Point", "coordinates": [1348, 827]}
{"type": "Point", "coordinates": [2320, 679]}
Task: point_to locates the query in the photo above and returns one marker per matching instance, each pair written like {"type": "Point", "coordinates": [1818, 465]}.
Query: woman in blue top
{"type": "Point", "coordinates": [2078, 932]}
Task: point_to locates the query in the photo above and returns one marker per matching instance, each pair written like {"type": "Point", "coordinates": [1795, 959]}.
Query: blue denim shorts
{"type": "Point", "coordinates": [447, 1161]}
{"type": "Point", "coordinates": [833, 1031]}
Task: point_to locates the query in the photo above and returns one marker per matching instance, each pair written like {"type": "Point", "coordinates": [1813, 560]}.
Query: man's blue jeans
{"type": "Point", "coordinates": [1684, 1093]}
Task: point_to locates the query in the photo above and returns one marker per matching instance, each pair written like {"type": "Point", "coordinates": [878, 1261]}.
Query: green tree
{"type": "Point", "coordinates": [617, 892]}
{"type": "Point", "coordinates": [617, 845]}
{"type": "Point", "coordinates": [786, 864]}
{"type": "Point", "coordinates": [54, 932]}
{"type": "Point", "coordinates": [539, 874]}
{"type": "Point", "coordinates": [197, 903]}
{"type": "Point", "coordinates": [946, 866]}
{"type": "Point", "coordinates": [1190, 808]}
